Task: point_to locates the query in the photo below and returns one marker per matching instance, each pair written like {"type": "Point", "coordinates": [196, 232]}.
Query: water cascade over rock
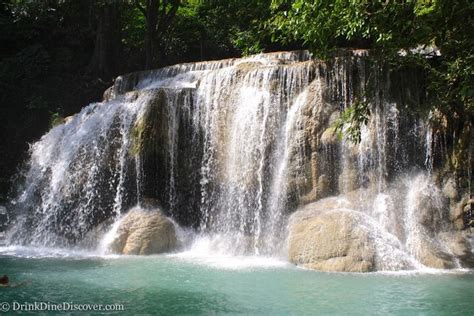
{"type": "Point", "coordinates": [232, 148]}
{"type": "Point", "coordinates": [142, 232]}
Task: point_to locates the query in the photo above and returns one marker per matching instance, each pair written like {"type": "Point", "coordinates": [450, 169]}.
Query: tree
{"type": "Point", "coordinates": [105, 59]}
{"type": "Point", "coordinates": [158, 15]}
{"type": "Point", "coordinates": [236, 27]}
{"type": "Point", "coordinates": [388, 27]}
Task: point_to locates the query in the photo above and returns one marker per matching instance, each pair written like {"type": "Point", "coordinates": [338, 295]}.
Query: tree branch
{"type": "Point", "coordinates": [140, 7]}
{"type": "Point", "coordinates": [167, 16]}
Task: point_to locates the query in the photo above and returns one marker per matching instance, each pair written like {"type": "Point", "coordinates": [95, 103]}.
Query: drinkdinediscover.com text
{"type": "Point", "coordinates": [57, 307]}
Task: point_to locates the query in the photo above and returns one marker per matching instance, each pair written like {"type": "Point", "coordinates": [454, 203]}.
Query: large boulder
{"type": "Point", "coordinates": [144, 232]}
{"type": "Point", "coordinates": [327, 236]}
{"type": "Point", "coordinates": [347, 233]}
{"type": "Point", "coordinates": [431, 254]}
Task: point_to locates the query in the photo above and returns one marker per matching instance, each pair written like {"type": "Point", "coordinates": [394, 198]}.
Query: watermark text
{"type": "Point", "coordinates": [58, 307]}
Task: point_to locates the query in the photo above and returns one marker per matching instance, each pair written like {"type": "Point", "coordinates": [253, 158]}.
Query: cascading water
{"type": "Point", "coordinates": [78, 175]}
{"type": "Point", "coordinates": [231, 148]}
{"type": "Point", "coordinates": [240, 148]}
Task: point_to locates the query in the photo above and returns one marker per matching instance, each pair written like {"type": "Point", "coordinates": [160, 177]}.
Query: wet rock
{"type": "Point", "coordinates": [144, 232]}
{"type": "Point", "coordinates": [326, 236]}
{"type": "Point", "coordinates": [430, 254]}
{"type": "Point", "coordinates": [461, 213]}
{"type": "Point", "coordinates": [93, 237]}
{"type": "Point", "coordinates": [68, 119]}
{"type": "Point", "coordinates": [427, 211]}
{"type": "Point", "coordinates": [457, 212]}
{"type": "Point", "coordinates": [348, 180]}
{"type": "Point", "coordinates": [458, 243]}
{"type": "Point", "coordinates": [150, 203]}
{"type": "Point", "coordinates": [324, 188]}
{"type": "Point", "coordinates": [109, 94]}
{"type": "Point", "coordinates": [248, 66]}
{"type": "Point", "coordinates": [309, 197]}
{"type": "Point", "coordinates": [429, 207]}
{"type": "Point", "coordinates": [329, 137]}
{"type": "Point", "coordinates": [337, 234]}
{"type": "Point", "coordinates": [317, 113]}
{"type": "Point", "coordinates": [449, 189]}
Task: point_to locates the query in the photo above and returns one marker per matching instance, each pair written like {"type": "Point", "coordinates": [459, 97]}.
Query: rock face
{"type": "Point", "coordinates": [144, 232]}
{"type": "Point", "coordinates": [344, 234]}
{"type": "Point", "coordinates": [430, 255]}
{"type": "Point", "coordinates": [325, 236]}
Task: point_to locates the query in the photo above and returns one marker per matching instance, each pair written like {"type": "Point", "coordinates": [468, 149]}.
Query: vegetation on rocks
{"type": "Point", "coordinates": [435, 36]}
{"type": "Point", "coordinates": [59, 55]}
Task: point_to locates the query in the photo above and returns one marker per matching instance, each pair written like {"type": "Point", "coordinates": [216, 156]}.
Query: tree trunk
{"type": "Point", "coordinates": [159, 15]}
{"type": "Point", "coordinates": [104, 62]}
{"type": "Point", "coordinates": [151, 23]}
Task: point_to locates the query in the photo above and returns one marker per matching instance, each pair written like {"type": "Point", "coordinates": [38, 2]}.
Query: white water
{"type": "Point", "coordinates": [237, 148]}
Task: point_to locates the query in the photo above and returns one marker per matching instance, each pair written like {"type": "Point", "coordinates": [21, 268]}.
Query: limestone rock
{"type": "Point", "coordinates": [333, 234]}
{"type": "Point", "coordinates": [144, 232]}
{"type": "Point", "coordinates": [109, 94]}
{"type": "Point", "coordinates": [325, 236]}
{"type": "Point", "coordinates": [68, 119]}
{"type": "Point", "coordinates": [348, 180]}
{"type": "Point", "coordinates": [317, 113]}
{"type": "Point", "coordinates": [323, 188]}
{"type": "Point", "coordinates": [247, 66]}
{"type": "Point", "coordinates": [329, 137]}
{"type": "Point", "coordinates": [457, 214]}
{"type": "Point", "coordinates": [460, 245]}
{"type": "Point", "coordinates": [430, 254]}
{"type": "Point", "coordinates": [449, 189]}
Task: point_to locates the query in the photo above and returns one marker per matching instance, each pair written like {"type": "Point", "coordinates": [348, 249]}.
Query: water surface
{"type": "Point", "coordinates": [182, 284]}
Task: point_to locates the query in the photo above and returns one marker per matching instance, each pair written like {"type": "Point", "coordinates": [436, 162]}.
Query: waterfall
{"type": "Point", "coordinates": [78, 174]}
{"type": "Point", "coordinates": [230, 149]}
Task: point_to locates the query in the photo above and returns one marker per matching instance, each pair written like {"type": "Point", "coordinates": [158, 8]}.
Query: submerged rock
{"type": "Point", "coordinates": [144, 232]}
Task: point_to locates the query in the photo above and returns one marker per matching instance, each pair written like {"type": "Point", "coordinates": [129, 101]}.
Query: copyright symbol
{"type": "Point", "coordinates": [4, 307]}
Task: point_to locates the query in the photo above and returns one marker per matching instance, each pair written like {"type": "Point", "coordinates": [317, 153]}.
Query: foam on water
{"type": "Point", "coordinates": [44, 252]}
{"type": "Point", "coordinates": [108, 238]}
{"type": "Point", "coordinates": [211, 251]}
{"type": "Point", "coordinates": [196, 255]}
{"type": "Point", "coordinates": [229, 262]}
{"type": "Point", "coordinates": [201, 253]}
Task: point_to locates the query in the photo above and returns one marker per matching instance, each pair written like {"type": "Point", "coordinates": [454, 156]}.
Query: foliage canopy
{"type": "Point", "coordinates": [58, 55]}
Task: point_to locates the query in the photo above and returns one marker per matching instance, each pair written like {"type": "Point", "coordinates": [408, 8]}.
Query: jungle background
{"type": "Point", "coordinates": [57, 56]}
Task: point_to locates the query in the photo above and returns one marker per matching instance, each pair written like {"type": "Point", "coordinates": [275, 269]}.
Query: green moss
{"type": "Point", "coordinates": [150, 130]}
{"type": "Point", "coordinates": [55, 119]}
{"type": "Point", "coordinates": [462, 147]}
{"type": "Point", "coordinates": [138, 135]}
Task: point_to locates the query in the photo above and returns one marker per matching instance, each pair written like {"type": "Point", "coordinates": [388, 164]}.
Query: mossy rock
{"type": "Point", "coordinates": [151, 128]}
